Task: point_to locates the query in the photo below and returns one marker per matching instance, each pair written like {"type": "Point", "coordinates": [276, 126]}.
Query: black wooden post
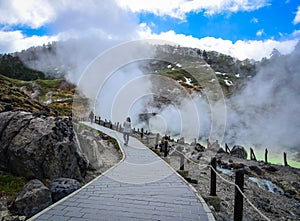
{"type": "Point", "coordinates": [166, 148]}
{"type": "Point", "coordinates": [117, 128]}
{"type": "Point", "coordinates": [266, 155]}
{"type": "Point", "coordinates": [142, 133]}
{"type": "Point", "coordinates": [181, 161]}
{"type": "Point", "coordinates": [238, 199]}
{"type": "Point", "coordinates": [227, 148]}
{"type": "Point", "coordinates": [252, 154]}
{"type": "Point", "coordinates": [285, 159]}
{"type": "Point", "coordinates": [213, 177]}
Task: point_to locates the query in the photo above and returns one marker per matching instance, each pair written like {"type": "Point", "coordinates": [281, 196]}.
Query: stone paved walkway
{"type": "Point", "coordinates": [141, 187]}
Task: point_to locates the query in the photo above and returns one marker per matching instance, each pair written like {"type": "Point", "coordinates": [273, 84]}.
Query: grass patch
{"type": "Point", "coordinates": [11, 185]}
{"type": "Point", "coordinates": [111, 140]}
{"type": "Point", "coordinates": [49, 84]}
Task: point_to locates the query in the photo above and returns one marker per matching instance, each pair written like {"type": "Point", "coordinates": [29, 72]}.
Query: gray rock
{"type": "Point", "coordinates": [214, 201]}
{"type": "Point", "coordinates": [256, 169]}
{"type": "Point", "coordinates": [199, 147]}
{"type": "Point", "coordinates": [14, 218]}
{"type": "Point", "coordinates": [33, 198]}
{"type": "Point", "coordinates": [239, 151]}
{"type": "Point", "coordinates": [91, 147]}
{"type": "Point", "coordinates": [62, 187]}
{"type": "Point", "coordinates": [39, 147]}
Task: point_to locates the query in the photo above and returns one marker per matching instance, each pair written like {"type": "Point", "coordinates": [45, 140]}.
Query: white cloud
{"type": "Point", "coordinates": [70, 19]}
{"type": "Point", "coordinates": [296, 34]}
{"type": "Point", "coordinates": [254, 20]}
{"type": "Point", "coordinates": [180, 8]}
{"type": "Point", "coordinates": [33, 13]}
{"type": "Point", "coordinates": [297, 17]}
{"type": "Point", "coordinates": [96, 23]}
{"type": "Point", "coordinates": [16, 41]}
{"type": "Point", "coordinates": [240, 49]}
{"type": "Point", "coordinates": [260, 32]}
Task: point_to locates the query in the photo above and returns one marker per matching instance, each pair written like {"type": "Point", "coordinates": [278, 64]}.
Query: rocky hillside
{"type": "Point", "coordinates": [12, 97]}
{"type": "Point", "coordinates": [230, 72]}
{"type": "Point", "coordinates": [54, 97]}
{"type": "Point", "coordinates": [208, 66]}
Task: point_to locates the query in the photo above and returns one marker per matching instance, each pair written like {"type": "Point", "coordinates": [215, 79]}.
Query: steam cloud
{"type": "Point", "coordinates": [84, 30]}
{"type": "Point", "coordinates": [265, 114]}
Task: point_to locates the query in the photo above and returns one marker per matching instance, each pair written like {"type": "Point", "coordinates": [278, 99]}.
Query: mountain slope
{"type": "Point", "coordinates": [13, 67]}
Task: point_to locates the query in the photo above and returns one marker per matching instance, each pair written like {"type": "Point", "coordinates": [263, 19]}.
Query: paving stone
{"type": "Point", "coordinates": [45, 216]}
{"type": "Point", "coordinates": [74, 213]}
{"type": "Point", "coordinates": [58, 218]}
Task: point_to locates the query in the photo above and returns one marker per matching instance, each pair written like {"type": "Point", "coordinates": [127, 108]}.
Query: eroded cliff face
{"type": "Point", "coordinates": [38, 146]}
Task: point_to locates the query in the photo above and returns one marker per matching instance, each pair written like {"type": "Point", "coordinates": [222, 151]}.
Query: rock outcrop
{"type": "Point", "coordinates": [100, 152]}
{"type": "Point", "coordinates": [62, 187]}
{"type": "Point", "coordinates": [239, 151]}
{"type": "Point", "coordinates": [38, 146]}
{"type": "Point", "coordinates": [34, 197]}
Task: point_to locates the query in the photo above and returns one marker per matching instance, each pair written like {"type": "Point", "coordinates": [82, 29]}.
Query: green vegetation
{"type": "Point", "coordinates": [13, 67]}
{"type": "Point", "coordinates": [12, 95]}
{"type": "Point", "coordinates": [10, 185]}
{"type": "Point", "coordinates": [56, 93]}
{"type": "Point", "coordinates": [49, 84]}
{"type": "Point", "coordinates": [110, 139]}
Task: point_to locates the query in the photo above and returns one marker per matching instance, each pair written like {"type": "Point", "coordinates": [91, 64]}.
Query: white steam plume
{"type": "Point", "coordinates": [125, 93]}
{"type": "Point", "coordinates": [83, 30]}
{"type": "Point", "coordinates": [266, 113]}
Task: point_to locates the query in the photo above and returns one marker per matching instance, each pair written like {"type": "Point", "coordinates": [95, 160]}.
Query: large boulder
{"type": "Point", "coordinates": [100, 153]}
{"type": "Point", "coordinates": [33, 198]}
{"type": "Point", "coordinates": [91, 146]}
{"type": "Point", "coordinates": [62, 187]}
{"type": "Point", "coordinates": [38, 146]}
{"type": "Point", "coordinates": [239, 151]}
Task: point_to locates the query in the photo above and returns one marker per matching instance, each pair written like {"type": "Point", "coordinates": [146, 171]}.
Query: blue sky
{"type": "Point", "coordinates": [274, 21]}
{"type": "Point", "coordinates": [241, 28]}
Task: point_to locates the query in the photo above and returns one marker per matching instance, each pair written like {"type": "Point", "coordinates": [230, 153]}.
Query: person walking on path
{"type": "Point", "coordinates": [91, 117]}
{"type": "Point", "coordinates": [126, 130]}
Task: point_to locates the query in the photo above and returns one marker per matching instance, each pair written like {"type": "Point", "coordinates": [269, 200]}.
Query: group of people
{"type": "Point", "coordinates": [126, 126]}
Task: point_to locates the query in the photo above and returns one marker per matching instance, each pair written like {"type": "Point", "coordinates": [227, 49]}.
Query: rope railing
{"type": "Point", "coordinates": [204, 166]}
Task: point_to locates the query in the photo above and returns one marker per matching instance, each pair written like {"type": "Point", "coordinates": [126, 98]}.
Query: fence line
{"type": "Point", "coordinates": [227, 181]}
